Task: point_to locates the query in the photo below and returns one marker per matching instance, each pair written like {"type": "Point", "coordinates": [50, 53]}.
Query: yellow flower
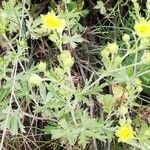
{"type": "Point", "coordinates": [51, 21]}
{"type": "Point", "coordinates": [125, 133]}
{"type": "Point", "coordinates": [142, 28]}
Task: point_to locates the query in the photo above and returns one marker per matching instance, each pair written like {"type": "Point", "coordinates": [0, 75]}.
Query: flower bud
{"type": "Point", "coordinates": [144, 42]}
{"type": "Point", "coordinates": [58, 71]}
{"type": "Point", "coordinates": [125, 121]}
{"type": "Point", "coordinates": [117, 60]}
{"type": "Point", "coordinates": [129, 121]}
{"type": "Point", "coordinates": [126, 37]}
{"type": "Point", "coordinates": [146, 58]}
{"type": "Point", "coordinates": [35, 80]}
{"type": "Point", "coordinates": [47, 74]}
{"type": "Point", "coordinates": [112, 48]}
{"type": "Point", "coordinates": [66, 59]}
{"type": "Point", "coordinates": [23, 44]}
{"type": "Point", "coordinates": [138, 82]}
{"type": "Point", "coordinates": [105, 53]}
{"type": "Point", "coordinates": [122, 122]}
{"type": "Point", "coordinates": [42, 66]}
{"type": "Point", "coordinates": [139, 89]}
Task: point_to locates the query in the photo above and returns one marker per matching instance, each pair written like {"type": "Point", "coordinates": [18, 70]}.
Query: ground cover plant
{"type": "Point", "coordinates": [75, 75]}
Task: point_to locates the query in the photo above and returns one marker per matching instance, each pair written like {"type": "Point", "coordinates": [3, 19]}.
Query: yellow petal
{"type": "Point", "coordinates": [52, 22]}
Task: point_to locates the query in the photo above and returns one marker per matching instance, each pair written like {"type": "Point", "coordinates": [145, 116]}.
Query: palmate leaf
{"type": "Point", "coordinates": [12, 9]}
{"type": "Point", "coordinates": [143, 136]}
{"type": "Point", "coordinates": [56, 133]}
{"type": "Point", "coordinates": [122, 75]}
{"type": "Point", "coordinates": [34, 29]}
{"type": "Point", "coordinates": [13, 121]}
{"type": "Point", "coordinates": [94, 128]}
{"type": "Point", "coordinates": [55, 103]}
{"type": "Point", "coordinates": [63, 130]}
{"type": "Point", "coordinates": [83, 139]}
{"type": "Point", "coordinates": [100, 6]}
{"type": "Point", "coordinates": [72, 40]}
{"type": "Point", "coordinates": [71, 17]}
{"type": "Point", "coordinates": [86, 129]}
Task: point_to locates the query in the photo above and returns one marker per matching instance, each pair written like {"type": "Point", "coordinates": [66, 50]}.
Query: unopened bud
{"type": "Point", "coordinates": [42, 66]}
{"type": "Point", "coordinates": [146, 58]}
{"type": "Point", "coordinates": [126, 37]}
{"type": "Point", "coordinates": [35, 80]}
{"type": "Point", "coordinates": [66, 59]}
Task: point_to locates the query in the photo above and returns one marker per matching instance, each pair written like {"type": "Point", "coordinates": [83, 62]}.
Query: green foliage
{"type": "Point", "coordinates": [144, 134]}
{"type": "Point", "coordinates": [12, 10]}
{"type": "Point", "coordinates": [65, 96]}
{"type": "Point", "coordinates": [76, 38]}
{"type": "Point", "coordinates": [13, 123]}
{"type": "Point", "coordinates": [100, 6]}
{"type": "Point", "coordinates": [86, 129]}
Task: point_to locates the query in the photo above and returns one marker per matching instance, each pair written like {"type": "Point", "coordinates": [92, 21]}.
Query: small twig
{"type": "Point", "coordinates": [95, 145]}
{"type": "Point", "coordinates": [91, 3]}
{"type": "Point", "coordinates": [38, 118]}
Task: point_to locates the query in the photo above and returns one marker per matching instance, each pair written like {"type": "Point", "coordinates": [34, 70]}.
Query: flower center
{"type": "Point", "coordinates": [143, 28]}
{"type": "Point", "coordinates": [125, 133]}
{"type": "Point", "coordinates": [52, 21]}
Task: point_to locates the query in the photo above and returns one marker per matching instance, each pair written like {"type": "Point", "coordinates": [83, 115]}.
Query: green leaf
{"type": "Point", "coordinates": [101, 7]}
{"type": "Point", "coordinates": [12, 9]}
{"type": "Point", "coordinates": [34, 29]}
{"type": "Point", "coordinates": [13, 125]}
{"type": "Point", "coordinates": [13, 121]}
{"type": "Point", "coordinates": [72, 40]}
{"type": "Point", "coordinates": [3, 93]}
{"type": "Point", "coordinates": [107, 102]}
{"type": "Point", "coordinates": [43, 91]}
{"type": "Point", "coordinates": [144, 134]}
